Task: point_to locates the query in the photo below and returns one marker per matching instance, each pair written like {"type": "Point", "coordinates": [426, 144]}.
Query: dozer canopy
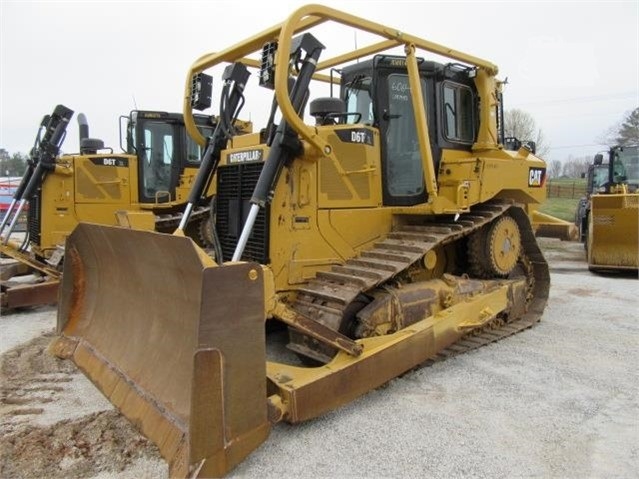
{"type": "Point", "coordinates": [145, 318]}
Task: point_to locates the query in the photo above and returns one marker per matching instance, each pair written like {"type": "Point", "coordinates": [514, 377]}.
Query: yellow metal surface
{"type": "Point", "coordinates": [613, 232]}
{"type": "Point", "coordinates": [466, 180]}
{"type": "Point", "coordinates": [548, 226]}
{"type": "Point", "coordinates": [327, 211]}
{"type": "Point", "coordinates": [505, 245]}
{"type": "Point", "coordinates": [421, 123]}
{"type": "Point", "coordinates": [81, 190]}
{"type": "Point", "coordinates": [139, 220]}
{"type": "Point", "coordinates": [351, 177]}
{"type": "Point", "coordinates": [186, 182]}
{"type": "Point", "coordinates": [487, 88]}
{"type": "Point", "coordinates": [12, 250]}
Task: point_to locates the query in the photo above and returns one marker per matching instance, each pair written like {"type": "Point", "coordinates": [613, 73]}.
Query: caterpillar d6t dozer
{"type": "Point", "coordinates": [146, 186]}
{"type": "Point", "coordinates": [612, 214]}
{"type": "Point", "coordinates": [391, 228]}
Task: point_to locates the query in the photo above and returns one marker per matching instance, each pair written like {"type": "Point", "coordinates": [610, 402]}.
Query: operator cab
{"type": "Point", "coordinates": [164, 150]}
{"type": "Point", "coordinates": [624, 167]}
{"type": "Point", "coordinates": [378, 90]}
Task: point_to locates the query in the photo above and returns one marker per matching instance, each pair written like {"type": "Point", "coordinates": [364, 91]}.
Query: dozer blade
{"type": "Point", "coordinates": [613, 236]}
{"type": "Point", "coordinates": [547, 226]}
{"type": "Point", "coordinates": [176, 345]}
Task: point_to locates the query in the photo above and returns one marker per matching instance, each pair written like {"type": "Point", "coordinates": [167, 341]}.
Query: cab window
{"type": "Point", "coordinates": [194, 151]}
{"type": "Point", "coordinates": [458, 113]}
{"type": "Point", "coordinates": [358, 100]}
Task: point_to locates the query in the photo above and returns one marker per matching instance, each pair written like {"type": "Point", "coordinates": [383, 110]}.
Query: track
{"type": "Point", "coordinates": [332, 297]}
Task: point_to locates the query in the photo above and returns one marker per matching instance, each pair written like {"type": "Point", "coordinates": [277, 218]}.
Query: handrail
{"type": "Point", "coordinates": [304, 19]}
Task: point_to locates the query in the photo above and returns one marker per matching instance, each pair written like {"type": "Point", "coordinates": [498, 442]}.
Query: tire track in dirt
{"type": "Point", "coordinates": [42, 435]}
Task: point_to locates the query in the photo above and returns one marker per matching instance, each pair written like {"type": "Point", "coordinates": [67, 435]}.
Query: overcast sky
{"type": "Point", "coordinates": [572, 65]}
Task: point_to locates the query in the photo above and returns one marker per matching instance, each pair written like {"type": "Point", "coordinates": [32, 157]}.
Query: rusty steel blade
{"type": "Point", "coordinates": [176, 345]}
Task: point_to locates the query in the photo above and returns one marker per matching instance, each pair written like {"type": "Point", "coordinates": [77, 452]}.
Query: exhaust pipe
{"type": "Point", "coordinates": [84, 127]}
{"type": "Point", "coordinates": [88, 146]}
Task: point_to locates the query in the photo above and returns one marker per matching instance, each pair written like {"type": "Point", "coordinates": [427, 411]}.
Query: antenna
{"type": "Point", "coordinates": [355, 41]}
{"type": "Point", "coordinates": [135, 104]}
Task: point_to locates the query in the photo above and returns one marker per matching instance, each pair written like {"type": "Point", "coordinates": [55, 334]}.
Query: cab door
{"type": "Point", "coordinates": [402, 167]}
{"type": "Point", "coordinates": [158, 153]}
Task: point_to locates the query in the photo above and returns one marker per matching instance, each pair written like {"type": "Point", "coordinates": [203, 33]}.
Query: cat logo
{"type": "Point", "coordinates": [536, 177]}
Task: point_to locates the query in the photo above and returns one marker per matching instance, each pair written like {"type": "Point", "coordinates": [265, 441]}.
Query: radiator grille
{"type": "Point", "coordinates": [235, 185]}
{"type": "Point", "coordinates": [33, 219]}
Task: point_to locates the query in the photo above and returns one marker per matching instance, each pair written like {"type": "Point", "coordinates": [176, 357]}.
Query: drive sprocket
{"type": "Point", "coordinates": [495, 250]}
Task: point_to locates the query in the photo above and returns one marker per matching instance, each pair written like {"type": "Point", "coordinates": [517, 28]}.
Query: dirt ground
{"type": "Point", "coordinates": [54, 424]}
{"type": "Point", "coordinates": [560, 400]}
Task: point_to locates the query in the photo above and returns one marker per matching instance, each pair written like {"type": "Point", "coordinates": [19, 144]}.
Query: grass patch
{"type": "Point", "coordinates": [562, 208]}
{"type": "Point", "coordinates": [566, 188]}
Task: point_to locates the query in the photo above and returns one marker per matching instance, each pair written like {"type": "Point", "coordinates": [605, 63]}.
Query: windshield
{"type": "Point", "coordinates": [599, 176]}
{"type": "Point", "coordinates": [625, 168]}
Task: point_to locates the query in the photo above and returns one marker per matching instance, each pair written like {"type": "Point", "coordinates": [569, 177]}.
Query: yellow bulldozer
{"type": "Point", "coordinates": [145, 187]}
{"type": "Point", "coordinates": [388, 228]}
{"type": "Point", "coordinates": [611, 213]}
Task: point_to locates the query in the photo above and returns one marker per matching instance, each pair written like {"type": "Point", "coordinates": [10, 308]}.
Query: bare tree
{"type": "Point", "coordinates": [609, 137]}
{"type": "Point", "coordinates": [575, 167]}
{"type": "Point", "coordinates": [554, 168]}
{"type": "Point", "coordinates": [521, 125]}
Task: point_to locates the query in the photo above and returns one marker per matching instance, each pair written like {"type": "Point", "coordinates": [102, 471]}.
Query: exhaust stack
{"type": "Point", "coordinates": [88, 146]}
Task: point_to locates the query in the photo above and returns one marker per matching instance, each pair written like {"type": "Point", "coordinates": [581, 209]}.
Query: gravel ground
{"type": "Point", "coordinates": [560, 400]}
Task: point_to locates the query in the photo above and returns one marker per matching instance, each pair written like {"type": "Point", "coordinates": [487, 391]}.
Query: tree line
{"type": "Point", "coordinates": [521, 125]}
{"type": "Point", "coordinates": [12, 165]}
{"type": "Point", "coordinates": [572, 167]}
